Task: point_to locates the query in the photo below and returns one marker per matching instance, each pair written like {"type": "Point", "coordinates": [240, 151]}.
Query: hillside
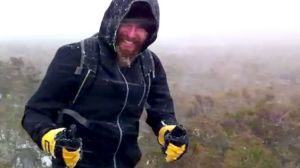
{"type": "Point", "coordinates": [240, 104]}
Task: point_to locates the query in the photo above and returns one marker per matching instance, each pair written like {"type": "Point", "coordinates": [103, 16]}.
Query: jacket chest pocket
{"type": "Point", "coordinates": [65, 68]}
{"type": "Point", "coordinates": [115, 91]}
{"type": "Point", "coordinates": [137, 92]}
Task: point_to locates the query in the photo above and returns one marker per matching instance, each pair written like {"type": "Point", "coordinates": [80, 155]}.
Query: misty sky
{"type": "Point", "coordinates": [179, 18]}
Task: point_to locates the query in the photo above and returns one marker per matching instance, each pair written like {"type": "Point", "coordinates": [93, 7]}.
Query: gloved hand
{"type": "Point", "coordinates": [174, 141]}
{"type": "Point", "coordinates": [62, 143]}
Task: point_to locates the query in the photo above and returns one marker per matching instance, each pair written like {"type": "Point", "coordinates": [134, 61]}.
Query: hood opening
{"type": "Point", "coordinates": [141, 13]}
{"type": "Point", "coordinates": [145, 11]}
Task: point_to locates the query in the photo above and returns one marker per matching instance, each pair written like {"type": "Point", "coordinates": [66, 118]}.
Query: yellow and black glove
{"type": "Point", "coordinates": [174, 141]}
{"type": "Point", "coordinates": [62, 143]}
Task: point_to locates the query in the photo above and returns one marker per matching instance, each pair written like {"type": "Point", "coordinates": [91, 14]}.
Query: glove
{"type": "Point", "coordinates": [62, 143]}
{"type": "Point", "coordinates": [174, 141]}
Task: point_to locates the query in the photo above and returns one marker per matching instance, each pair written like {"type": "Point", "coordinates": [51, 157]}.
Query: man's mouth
{"type": "Point", "coordinates": [128, 42]}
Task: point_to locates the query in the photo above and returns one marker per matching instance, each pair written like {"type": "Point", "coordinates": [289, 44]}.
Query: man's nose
{"type": "Point", "coordinates": [132, 31]}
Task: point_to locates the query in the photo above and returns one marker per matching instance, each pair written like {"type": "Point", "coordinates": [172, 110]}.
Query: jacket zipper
{"type": "Point", "coordinates": [144, 91]}
{"type": "Point", "coordinates": [81, 86]}
{"type": "Point", "coordinates": [118, 118]}
{"type": "Point", "coordinates": [149, 85]}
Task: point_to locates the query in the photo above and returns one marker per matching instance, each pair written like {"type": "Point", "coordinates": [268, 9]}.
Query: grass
{"type": "Point", "coordinates": [239, 112]}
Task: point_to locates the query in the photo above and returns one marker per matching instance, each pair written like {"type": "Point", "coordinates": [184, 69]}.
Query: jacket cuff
{"type": "Point", "coordinates": [43, 131]}
{"type": "Point", "coordinates": [164, 123]}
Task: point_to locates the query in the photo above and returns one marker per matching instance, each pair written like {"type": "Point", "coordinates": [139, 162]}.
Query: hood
{"type": "Point", "coordinates": [117, 11]}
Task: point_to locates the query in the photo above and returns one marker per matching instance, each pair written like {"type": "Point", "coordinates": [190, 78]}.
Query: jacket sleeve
{"type": "Point", "coordinates": [160, 107]}
{"type": "Point", "coordinates": [54, 93]}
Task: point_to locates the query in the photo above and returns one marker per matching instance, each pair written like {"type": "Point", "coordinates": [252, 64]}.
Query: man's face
{"type": "Point", "coordinates": [130, 39]}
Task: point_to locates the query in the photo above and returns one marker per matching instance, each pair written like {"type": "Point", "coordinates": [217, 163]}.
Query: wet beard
{"type": "Point", "coordinates": [126, 57]}
{"type": "Point", "coordinates": [124, 61]}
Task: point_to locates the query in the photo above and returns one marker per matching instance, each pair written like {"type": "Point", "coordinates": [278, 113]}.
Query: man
{"type": "Point", "coordinates": [97, 126]}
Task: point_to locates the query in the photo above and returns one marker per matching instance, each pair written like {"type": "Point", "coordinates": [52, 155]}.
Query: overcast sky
{"type": "Point", "coordinates": [20, 19]}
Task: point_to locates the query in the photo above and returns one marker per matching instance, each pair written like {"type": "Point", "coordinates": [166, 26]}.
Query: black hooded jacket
{"type": "Point", "coordinates": [112, 104]}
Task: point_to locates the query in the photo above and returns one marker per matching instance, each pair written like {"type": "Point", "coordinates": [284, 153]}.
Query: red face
{"type": "Point", "coordinates": [130, 39]}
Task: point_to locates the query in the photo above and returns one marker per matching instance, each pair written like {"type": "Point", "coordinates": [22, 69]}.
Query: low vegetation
{"type": "Point", "coordinates": [241, 110]}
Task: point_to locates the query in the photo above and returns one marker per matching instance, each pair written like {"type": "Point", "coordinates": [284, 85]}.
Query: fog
{"type": "Point", "coordinates": [188, 21]}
